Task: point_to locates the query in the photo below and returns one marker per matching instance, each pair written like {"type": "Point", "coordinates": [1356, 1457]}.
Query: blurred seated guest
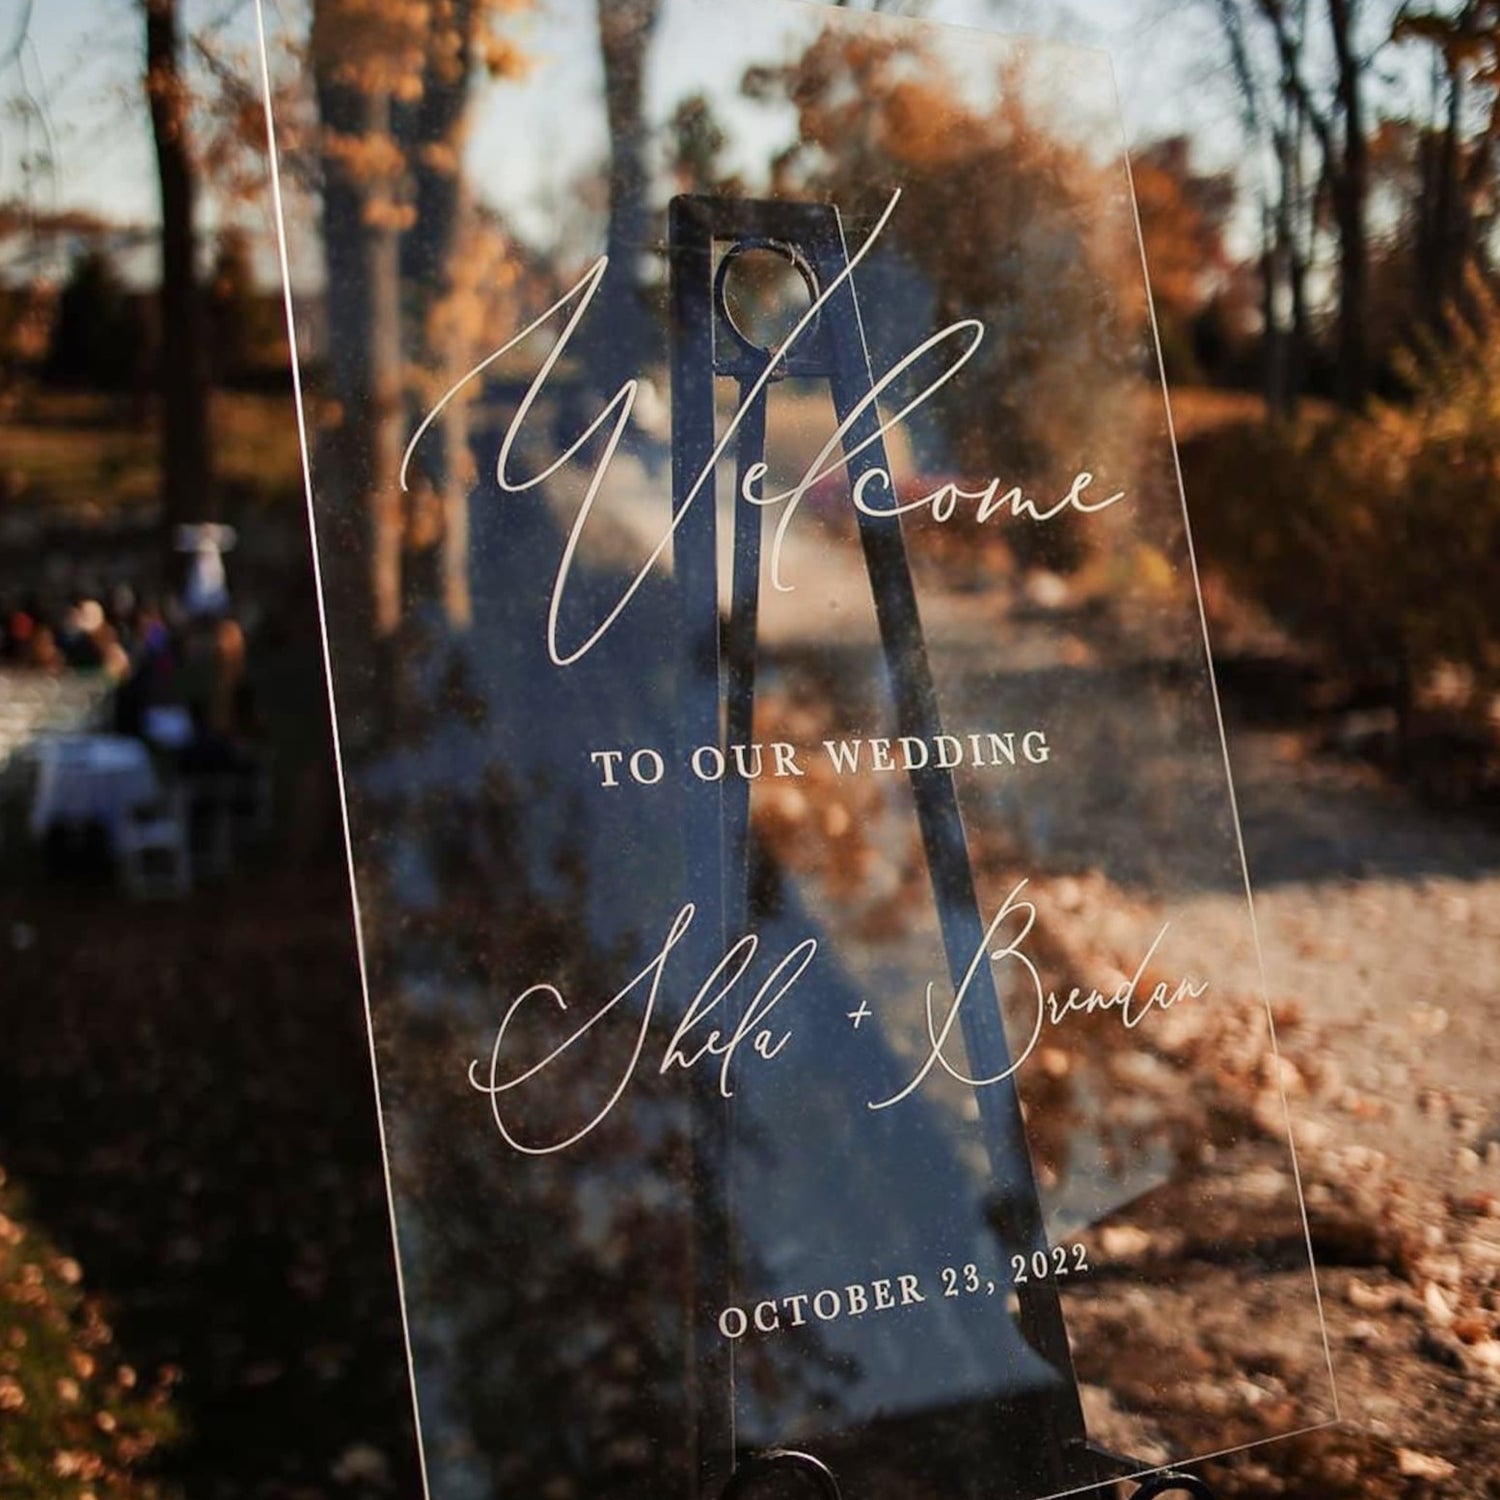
{"type": "Point", "coordinates": [197, 666]}
{"type": "Point", "coordinates": [20, 626]}
{"type": "Point", "coordinates": [212, 679]}
{"type": "Point", "coordinates": [75, 635]}
{"type": "Point", "coordinates": [43, 652]}
{"type": "Point", "coordinates": [156, 651]}
{"type": "Point", "coordinates": [124, 614]}
{"type": "Point", "coordinates": [151, 682]}
{"type": "Point", "coordinates": [113, 657]}
{"type": "Point", "coordinates": [91, 643]}
{"type": "Point", "coordinates": [222, 779]}
{"type": "Point", "coordinates": [227, 708]}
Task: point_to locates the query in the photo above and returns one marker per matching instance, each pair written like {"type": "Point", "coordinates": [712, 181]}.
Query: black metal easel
{"type": "Point", "coordinates": [716, 705]}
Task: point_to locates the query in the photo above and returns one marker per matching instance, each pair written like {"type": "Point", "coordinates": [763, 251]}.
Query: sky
{"type": "Point", "coordinates": [695, 48]}
{"type": "Point", "coordinates": [83, 65]}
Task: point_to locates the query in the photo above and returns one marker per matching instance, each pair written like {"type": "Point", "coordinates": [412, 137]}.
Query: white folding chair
{"type": "Point", "coordinates": [152, 846]}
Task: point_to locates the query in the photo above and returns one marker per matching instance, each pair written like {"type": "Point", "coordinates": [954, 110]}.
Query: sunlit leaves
{"type": "Point", "coordinates": [74, 1421]}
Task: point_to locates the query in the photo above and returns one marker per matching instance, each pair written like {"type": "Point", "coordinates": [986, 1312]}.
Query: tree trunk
{"type": "Point", "coordinates": [1452, 212]}
{"type": "Point", "coordinates": [1299, 339]}
{"type": "Point", "coordinates": [625, 28]}
{"type": "Point", "coordinates": [186, 474]}
{"type": "Point", "coordinates": [362, 255]}
{"type": "Point", "coordinates": [431, 133]}
{"type": "Point", "coordinates": [1273, 339]}
{"type": "Point", "coordinates": [1298, 224]}
{"type": "Point", "coordinates": [1350, 189]}
{"type": "Point", "coordinates": [359, 516]}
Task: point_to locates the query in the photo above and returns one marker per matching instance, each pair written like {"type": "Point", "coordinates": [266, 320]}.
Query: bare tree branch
{"type": "Point", "coordinates": [1289, 48]}
{"type": "Point", "coordinates": [20, 35]}
{"type": "Point", "coordinates": [1233, 26]}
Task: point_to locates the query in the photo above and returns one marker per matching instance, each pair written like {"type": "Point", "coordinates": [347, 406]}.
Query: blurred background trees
{"type": "Point", "coordinates": [1341, 283]}
{"type": "Point", "coordinates": [187, 491]}
{"type": "Point", "coordinates": [1354, 238]}
{"type": "Point", "coordinates": [1324, 287]}
{"type": "Point", "coordinates": [98, 329]}
{"type": "Point", "coordinates": [1378, 126]}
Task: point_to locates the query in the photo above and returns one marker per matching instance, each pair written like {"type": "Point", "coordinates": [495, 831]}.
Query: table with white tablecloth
{"type": "Point", "coordinates": [91, 778]}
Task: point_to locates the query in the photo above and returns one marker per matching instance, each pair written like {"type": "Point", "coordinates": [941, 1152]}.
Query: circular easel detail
{"type": "Point", "coordinates": [1173, 1484]}
{"type": "Point", "coordinates": [782, 1474]}
{"type": "Point", "coordinates": [737, 255]}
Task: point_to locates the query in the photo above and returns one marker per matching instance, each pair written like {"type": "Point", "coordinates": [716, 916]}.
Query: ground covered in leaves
{"type": "Point", "coordinates": [184, 1092]}
{"type": "Point", "coordinates": [187, 1127]}
{"type": "Point", "coordinates": [77, 1419]}
{"type": "Point", "coordinates": [1380, 925]}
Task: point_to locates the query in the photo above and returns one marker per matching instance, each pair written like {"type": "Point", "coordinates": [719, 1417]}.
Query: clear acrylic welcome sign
{"type": "Point", "coordinates": [787, 806]}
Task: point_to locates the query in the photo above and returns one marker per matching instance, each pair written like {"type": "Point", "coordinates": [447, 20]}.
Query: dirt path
{"type": "Point", "coordinates": [1382, 921]}
{"type": "Point", "coordinates": [1380, 925]}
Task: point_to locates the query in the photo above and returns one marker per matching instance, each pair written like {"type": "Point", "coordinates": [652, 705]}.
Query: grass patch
{"type": "Point", "coordinates": [92, 458]}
